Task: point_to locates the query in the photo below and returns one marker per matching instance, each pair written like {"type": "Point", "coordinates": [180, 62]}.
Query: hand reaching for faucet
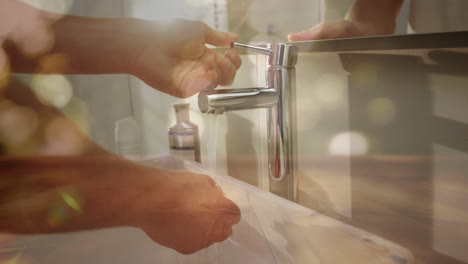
{"type": "Point", "coordinates": [173, 57]}
{"type": "Point", "coordinates": [365, 18]}
{"type": "Point", "coordinates": [170, 57]}
{"type": "Point", "coordinates": [333, 30]}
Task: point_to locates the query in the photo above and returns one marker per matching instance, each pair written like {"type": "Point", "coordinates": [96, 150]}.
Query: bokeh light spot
{"type": "Point", "coordinates": [349, 143]}
{"type": "Point", "coordinates": [4, 70]}
{"type": "Point", "coordinates": [365, 75]}
{"type": "Point", "coordinates": [381, 111]}
{"type": "Point", "coordinates": [17, 123]}
{"type": "Point", "coordinates": [78, 111]}
{"type": "Point", "coordinates": [57, 215]}
{"type": "Point", "coordinates": [53, 90]}
{"type": "Point", "coordinates": [330, 90]}
{"type": "Point", "coordinates": [62, 137]}
{"type": "Point", "coordinates": [71, 201]}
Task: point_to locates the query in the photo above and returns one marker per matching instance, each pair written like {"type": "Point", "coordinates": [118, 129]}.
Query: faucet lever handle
{"type": "Point", "coordinates": [256, 49]}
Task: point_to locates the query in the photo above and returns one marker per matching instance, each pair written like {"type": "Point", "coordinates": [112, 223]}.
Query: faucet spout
{"type": "Point", "coordinates": [225, 100]}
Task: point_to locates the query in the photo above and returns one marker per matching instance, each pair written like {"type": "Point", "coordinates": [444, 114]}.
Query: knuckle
{"type": "Point", "coordinates": [210, 181]}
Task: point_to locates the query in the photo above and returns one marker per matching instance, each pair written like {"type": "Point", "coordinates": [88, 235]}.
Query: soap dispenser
{"type": "Point", "coordinates": [184, 140]}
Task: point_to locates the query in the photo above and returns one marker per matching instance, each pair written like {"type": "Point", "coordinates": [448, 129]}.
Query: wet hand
{"type": "Point", "coordinates": [189, 213]}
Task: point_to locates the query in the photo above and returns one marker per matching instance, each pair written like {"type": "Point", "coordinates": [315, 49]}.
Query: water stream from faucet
{"type": "Point", "coordinates": [212, 142]}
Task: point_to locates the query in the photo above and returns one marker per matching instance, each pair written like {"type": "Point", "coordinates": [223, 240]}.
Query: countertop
{"type": "Point", "coordinates": [272, 230]}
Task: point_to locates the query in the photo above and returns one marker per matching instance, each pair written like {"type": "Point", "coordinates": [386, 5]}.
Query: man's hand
{"type": "Point", "coordinates": [365, 18]}
{"type": "Point", "coordinates": [180, 210]}
{"type": "Point", "coordinates": [173, 57]}
{"type": "Point", "coordinates": [333, 30]}
{"type": "Point", "coordinates": [186, 212]}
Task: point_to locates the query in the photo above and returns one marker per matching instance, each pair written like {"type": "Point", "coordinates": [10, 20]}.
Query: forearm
{"type": "Point", "coordinates": [65, 194]}
{"type": "Point", "coordinates": [377, 15]}
{"type": "Point", "coordinates": [170, 57]}
{"type": "Point", "coordinates": [93, 45]}
{"type": "Point", "coordinates": [85, 46]}
{"type": "Point", "coordinates": [57, 194]}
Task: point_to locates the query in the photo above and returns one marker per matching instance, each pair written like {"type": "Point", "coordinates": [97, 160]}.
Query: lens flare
{"type": "Point", "coordinates": [366, 76]}
{"type": "Point", "coordinates": [78, 112]}
{"type": "Point", "coordinates": [330, 91]}
{"type": "Point", "coordinates": [4, 70]}
{"type": "Point", "coordinates": [57, 214]}
{"type": "Point", "coordinates": [71, 201]}
{"type": "Point", "coordinates": [381, 111]}
{"type": "Point", "coordinates": [54, 90]}
{"type": "Point", "coordinates": [17, 124]}
{"type": "Point", "coordinates": [348, 143]}
{"type": "Point", "coordinates": [62, 137]}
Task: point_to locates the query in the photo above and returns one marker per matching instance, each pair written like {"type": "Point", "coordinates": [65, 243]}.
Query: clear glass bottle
{"type": "Point", "coordinates": [184, 140]}
{"type": "Point", "coordinates": [128, 138]}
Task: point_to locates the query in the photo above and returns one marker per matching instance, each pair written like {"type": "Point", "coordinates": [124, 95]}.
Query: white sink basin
{"type": "Point", "coordinates": [272, 230]}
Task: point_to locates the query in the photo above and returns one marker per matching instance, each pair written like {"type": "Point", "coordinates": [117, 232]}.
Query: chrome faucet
{"type": "Point", "coordinates": [277, 96]}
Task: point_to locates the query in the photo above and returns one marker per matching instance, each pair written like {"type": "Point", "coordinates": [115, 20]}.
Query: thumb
{"type": "Point", "coordinates": [219, 38]}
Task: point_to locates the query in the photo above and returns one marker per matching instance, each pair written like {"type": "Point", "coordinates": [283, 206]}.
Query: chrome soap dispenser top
{"type": "Point", "coordinates": [278, 97]}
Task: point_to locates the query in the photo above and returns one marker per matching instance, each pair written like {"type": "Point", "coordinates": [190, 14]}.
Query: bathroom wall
{"type": "Point", "coordinates": [99, 110]}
